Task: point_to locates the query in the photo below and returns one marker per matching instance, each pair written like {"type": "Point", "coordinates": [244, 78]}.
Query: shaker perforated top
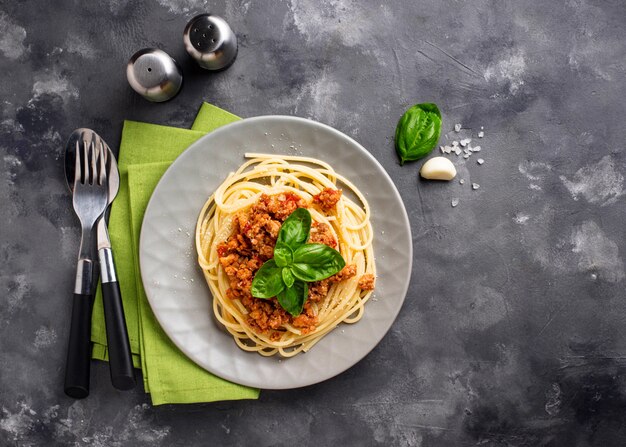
{"type": "Point", "coordinates": [210, 41]}
{"type": "Point", "coordinates": [154, 74]}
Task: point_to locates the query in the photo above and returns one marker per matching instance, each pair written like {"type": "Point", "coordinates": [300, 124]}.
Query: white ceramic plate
{"type": "Point", "coordinates": [175, 286]}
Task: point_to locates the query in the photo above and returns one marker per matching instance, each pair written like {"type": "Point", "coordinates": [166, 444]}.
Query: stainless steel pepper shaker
{"type": "Point", "coordinates": [210, 41]}
{"type": "Point", "coordinates": [154, 74]}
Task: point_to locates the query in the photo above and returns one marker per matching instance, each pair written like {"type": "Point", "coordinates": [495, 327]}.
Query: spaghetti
{"type": "Point", "coordinates": [262, 179]}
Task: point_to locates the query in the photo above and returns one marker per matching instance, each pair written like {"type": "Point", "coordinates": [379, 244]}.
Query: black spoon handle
{"type": "Point", "coordinates": [79, 347]}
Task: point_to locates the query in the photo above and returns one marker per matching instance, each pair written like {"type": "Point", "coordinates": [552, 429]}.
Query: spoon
{"type": "Point", "coordinates": [120, 359]}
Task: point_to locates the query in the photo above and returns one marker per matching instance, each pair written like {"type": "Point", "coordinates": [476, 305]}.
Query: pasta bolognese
{"type": "Point", "coordinates": [237, 233]}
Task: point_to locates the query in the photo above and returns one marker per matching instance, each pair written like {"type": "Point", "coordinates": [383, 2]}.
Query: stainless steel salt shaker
{"type": "Point", "coordinates": [154, 74]}
{"type": "Point", "coordinates": [210, 41]}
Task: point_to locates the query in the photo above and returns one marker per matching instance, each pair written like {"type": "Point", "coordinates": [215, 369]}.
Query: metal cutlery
{"type": "Point", "coordinates": [120, 357]}
{"type": "Point", "coordinates": [90, 202]}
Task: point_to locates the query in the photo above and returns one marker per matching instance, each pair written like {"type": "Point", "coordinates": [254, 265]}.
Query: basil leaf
{"type": "Point", "coordinates": [314, 262]}
{"type": "Point", "coordinates": [292, 299]}
{"type": "Point", "coordinates": [295, 229]}
{"type": "Point", "coordinates": [418, 131]}
{"type": "Point", "coordinates": [288, 278]}
{"type": "Point", "coordinates": [268, 281]}
{"type": "Point", "coordinates": [283, 255]}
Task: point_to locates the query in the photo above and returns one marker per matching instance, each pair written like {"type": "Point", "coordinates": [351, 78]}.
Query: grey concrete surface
{"type": "Point", "coordinates": [512, 333]}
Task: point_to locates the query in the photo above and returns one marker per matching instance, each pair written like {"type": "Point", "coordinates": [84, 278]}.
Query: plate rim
{"type": "Point", "coordinates": [197, 145]}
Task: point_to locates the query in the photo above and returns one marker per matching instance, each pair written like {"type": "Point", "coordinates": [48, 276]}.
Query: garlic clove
{"type": "Point", "coordinates": [438, 168]}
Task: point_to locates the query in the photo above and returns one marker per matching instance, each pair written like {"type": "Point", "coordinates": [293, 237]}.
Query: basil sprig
{"type": "Point", "coordinates": [295, 263]}
{"type": "Point", "coordinates": [295, 229]}
{"type": "Point", "coordinates": [267, 282]}
{"type": "Point", "coordinates": [292, 298]}
{"type": "Point", "coordinates": [418, 131]}
{"type": "Point", "coordinates": [314, 262]}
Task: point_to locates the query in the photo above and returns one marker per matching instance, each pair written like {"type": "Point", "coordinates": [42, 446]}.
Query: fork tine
{"type": "Point", "coordinates": [85, 161]}
{"type": "Point", "coordinates": [106, 155]}
{"type": "Point", "coordinates": [103, 174]}
{"type": "Point", "coordinates": [107, 151]}
{"type": "Point", "coordinates": [95, 142]}
{"type": "Point", "coordinates": [78, 174]}
{"type": "Point", "coordinates": [93, 178]}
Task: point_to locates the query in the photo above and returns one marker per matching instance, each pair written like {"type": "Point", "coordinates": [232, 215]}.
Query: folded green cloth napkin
{"type": "Point", "coordinates": [146, 151]}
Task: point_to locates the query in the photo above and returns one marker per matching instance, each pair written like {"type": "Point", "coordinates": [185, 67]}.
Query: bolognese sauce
{"type": "Point", "coordinates": [252, 243]}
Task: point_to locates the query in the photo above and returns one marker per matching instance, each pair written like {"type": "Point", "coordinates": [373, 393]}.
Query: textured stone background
{"type": "Point", "coordinates": [513, 329]}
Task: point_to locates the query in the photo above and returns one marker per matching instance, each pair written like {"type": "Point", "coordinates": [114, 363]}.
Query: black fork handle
{"type": "Point", "coordinates": [120, 357]}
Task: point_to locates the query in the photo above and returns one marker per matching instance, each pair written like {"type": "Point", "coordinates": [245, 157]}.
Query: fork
{"type": "Point", "coordinates": [90, 202]}
{"type": "Point", "coordinates": [120, 356]}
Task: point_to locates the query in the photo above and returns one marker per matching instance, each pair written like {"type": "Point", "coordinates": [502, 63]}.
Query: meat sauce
{"type": "Point", "coordinates": [252, 243]}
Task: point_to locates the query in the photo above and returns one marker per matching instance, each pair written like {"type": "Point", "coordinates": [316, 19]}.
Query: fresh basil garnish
{"type": "Point", "coordinates": [314, 262]}
{"type": "Point", "coordinates": [418, 131]}
{"type": "Point", "coordinates": [268, 281]}
{"type": "Point", "coordinates": [295, 229]}
{"type": "Point", "coordinates": [283, 255]}
{"type": "Point", "coordinates": [288, 277]}
{"type": "Point", "coordinates": [292, 298]}
{"type": "Point", "coordinates": [295, 263]}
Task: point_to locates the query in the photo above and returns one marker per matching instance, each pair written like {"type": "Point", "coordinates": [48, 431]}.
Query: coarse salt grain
{"type": "Point", "coordinates": [454, 202]}
{"type": "Point", "coordinates": [461, 181]}
{"type": "Point", "coordinates": [465, 141]}
{"type": "Point", "coordinates": [475, 186]}
{"type": "Point", "coordinates": [476, 149]}
{"type": "Point", "coordinates": [457, 150]}
{"type": "Point", "coordinates": [457, 127]}
{"type": "Point", "coordinates": [466, 156]}
{"type": "Point", "coordinates": [481, 134]}
{"type": "Point", "coordinates": [480, 161]}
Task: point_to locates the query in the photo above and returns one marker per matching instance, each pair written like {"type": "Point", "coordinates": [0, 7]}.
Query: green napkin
{"type": "Point", "coordinates": [146, 151]}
